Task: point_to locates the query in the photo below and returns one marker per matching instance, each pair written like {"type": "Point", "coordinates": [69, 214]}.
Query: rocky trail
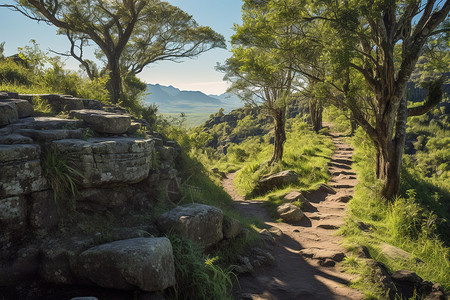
{"type": "Point", "coordinates": [307, 255]}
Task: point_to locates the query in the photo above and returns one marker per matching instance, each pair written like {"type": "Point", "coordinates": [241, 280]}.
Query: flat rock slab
{"type": "Point", "coordinates": [51, 135]}
{"type": "Point", "coordinates": [277, 180]}
{"type": "Point", "coordinates": [395, 253]}
{"type": "Point", "coordinates": [200, 223]}
{"type": "Point", "coordinates": [102, 121]}
{"type": "Point", "coordinates": [322, 254]}
{"type": "Point", "coordinates": [45, 123]}
{"type": "Point", "coordinates": [143, 263]}
{"type": "Point", "coordinates": [108, 160]}
{"type": "Point", "coordinates": [14, 138]}
{"type": "Point", "coordinates": [21, 171]}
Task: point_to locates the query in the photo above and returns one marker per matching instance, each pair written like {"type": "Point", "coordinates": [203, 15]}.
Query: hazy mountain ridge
{"type": "Point", "coordinates": [170, 99]}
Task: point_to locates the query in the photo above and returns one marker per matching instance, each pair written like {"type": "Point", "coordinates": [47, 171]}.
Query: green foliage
{"type": "Point", "coordinates": [306, 153]}
{"type": "Point", "coordinates": [63, 178]}
{"type": "Point", "coordinates": [14, 73]}
{"type": "Point", "coordinates": [41, 107]}
{"type": "Point", "coordinates": [408, 222]}
{"type": "Point", "coordinates": [38, 73]}
{"type": "Point", "coordinates": [197, 276]}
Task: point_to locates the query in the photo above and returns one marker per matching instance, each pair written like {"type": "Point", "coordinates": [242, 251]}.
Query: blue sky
{"type": "Point", "coordinates": [192, 74]}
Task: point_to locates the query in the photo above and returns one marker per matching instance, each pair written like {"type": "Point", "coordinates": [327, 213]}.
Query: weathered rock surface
{"type": "Point", "coordinates": [103, 161]}
{"type": "Point", "coordinates": [394, 253]}
{"type": "Point", "coordinates": [144, 263]}
{"type": "Point", "coordinates": [277, 180]}
{"type": "Point", "coordinates": [322, 254]}
{"type": "Point", "coordinates": [102, 121]}
{"type": "Point", "coordinates": [59, 258]}
{"type": "Point", "coordinates": [21, 171]}
{"type": "Point", "coordinates": [231, 228]}
{"type": "Point", "coordinates": [12, 219]}
{"type": "Point", "coordinates": [200, 223]}
{"type": "Point", "coordinates": [24, 108]}
{"type": "Point", "coordinates": [290, 213]}
{"type": "Point", "coordinates": [44, 123]}
{"type": "Point", "coordinates": [47, 136]}
{"type": "Point", "coordinates": [14, 139]}
{"type": "Point", "coordinates": [8, 114]}
{"type": "Point", "coordinates": [43, 215]}
{"type": "Point", "coordinates": [22, 266]}
{"type": "Point", "coordinates": [57, 102]}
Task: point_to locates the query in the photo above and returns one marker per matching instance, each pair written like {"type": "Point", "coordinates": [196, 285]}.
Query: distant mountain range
{"type": "Point", "coordinates": [172, 100]}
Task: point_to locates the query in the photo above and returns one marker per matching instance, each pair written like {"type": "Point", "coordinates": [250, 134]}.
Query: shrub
{"type": "Point", "coordinates": [198, 277]}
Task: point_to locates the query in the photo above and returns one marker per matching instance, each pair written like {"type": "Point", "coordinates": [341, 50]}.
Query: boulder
{"type": "Point", "coordinates": [61, 103]}
{"type": "Point", "coordinates": [231, 228]}
{"type": "Point", "coordinates": [24, 108]}
{"type": "Point", "coordinates": [8, 114]}
{"type": "Point", "coordinates": [92, 104]}
{"type": "Point", "coordinates": [144, 263]}
{"type": "Point", "coordinates": [297, 196]}
{"type": "Point", "coordinates": [21, 171]}
{"type": "Point", "coordinates": [278, 180]}
{"type": "Point", "coordinates": [23, 265]}
{"type": "Point", "coordinates": [290, 213]}
{"type": "Point", "coordinates": [59, 259]}
{"type": "Point", "coordinates": [102, 121]}
{"type": "Point", "coordinates": [382, 278]}
{"type": "Point", "coordinates": [108, 160]}
{"type": "Point", "coordinates": [200, 223]}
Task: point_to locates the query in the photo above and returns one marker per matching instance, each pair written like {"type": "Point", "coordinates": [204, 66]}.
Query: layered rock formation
{"type": "Point", "coordinates": [77, 198]}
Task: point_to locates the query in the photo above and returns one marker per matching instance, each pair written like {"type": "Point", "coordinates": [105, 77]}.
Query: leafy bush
{"type": "Point", "coordinates": [13, 73]}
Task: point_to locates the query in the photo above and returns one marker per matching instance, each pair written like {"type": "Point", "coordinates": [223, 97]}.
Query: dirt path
{"type": "Point", "coordinates": [304, 255]}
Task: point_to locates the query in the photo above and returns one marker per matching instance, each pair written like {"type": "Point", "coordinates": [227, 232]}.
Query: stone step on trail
{"type": "Point", "coordinates": [339, 166]}
{"type": "Point", "coordinates": [343, 161]}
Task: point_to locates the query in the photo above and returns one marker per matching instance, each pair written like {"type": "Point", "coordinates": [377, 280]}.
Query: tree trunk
{"type": "Point", "coordinates": [315, 111]}
{"type": "Point", "coordinates": [278, 115]}
{"type": "Point", "coordinates": [115, 87]}
{"type": "Point", "coordinates": [390, 152]}
{"type": "Point", "coordinates": [353, 124]}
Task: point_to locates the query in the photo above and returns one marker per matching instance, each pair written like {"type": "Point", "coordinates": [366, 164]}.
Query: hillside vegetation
{"type": "Point", "coordinates": [418, 220]}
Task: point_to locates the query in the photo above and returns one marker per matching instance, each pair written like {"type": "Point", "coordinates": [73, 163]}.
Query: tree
{"type": "Point", "coordinates": [259, 75]}
{"type": "Point", "coordinates": [129, 33]}
{"type": "Point", "coordinates": [360, 70]}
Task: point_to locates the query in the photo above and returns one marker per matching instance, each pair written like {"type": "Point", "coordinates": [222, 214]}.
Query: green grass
{"type": "Point", "coordinates": [63, 178]}
{"type": "Point", "coordinates": [405, 223]}
{"type": "Point", "coordinates": [197, 276]}
{"type": "Point", "coordinates": [305, 152]}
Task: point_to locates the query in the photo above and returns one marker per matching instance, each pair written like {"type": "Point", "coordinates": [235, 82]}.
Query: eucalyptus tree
{"type": "Point", "coordinates": [259, 75]}
{"type": "Point", "coordinates": [367, 51]}
{"type": "Point", "coordinates": [130, 34]}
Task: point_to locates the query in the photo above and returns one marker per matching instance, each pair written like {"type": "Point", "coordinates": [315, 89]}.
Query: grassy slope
{"type": "Point", "coordinates": [413, 222]}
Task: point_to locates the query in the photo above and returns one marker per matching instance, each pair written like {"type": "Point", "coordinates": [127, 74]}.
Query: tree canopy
{"type": "Point", "coordinates": [130, 34]}
{"type": "Point", "coordinates": [360, 55]}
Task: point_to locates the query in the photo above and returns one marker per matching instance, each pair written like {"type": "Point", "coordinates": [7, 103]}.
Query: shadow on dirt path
{"type": "Point", "coordinates": [307, 255]}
